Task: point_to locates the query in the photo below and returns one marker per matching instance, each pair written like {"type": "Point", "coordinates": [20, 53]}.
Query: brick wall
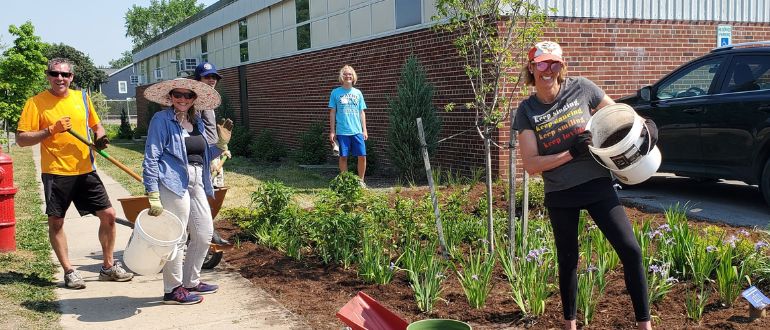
{"type": "Point", "coordinates": [286, 95]}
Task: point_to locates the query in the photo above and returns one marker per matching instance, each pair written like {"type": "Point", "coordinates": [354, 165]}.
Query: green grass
{"type": "Point", "coordinates": [242, 175]}
{"type": "Point", "coordinates": [27, 299]}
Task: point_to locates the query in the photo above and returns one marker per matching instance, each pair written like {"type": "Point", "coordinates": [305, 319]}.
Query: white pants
{"type": "Point", "coordinates": [194, 211]}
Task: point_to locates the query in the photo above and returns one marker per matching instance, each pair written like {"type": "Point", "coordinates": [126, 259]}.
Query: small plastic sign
{"type": "Point", "coordinates": [755, 297]}
{"type": "Point", "coordinates": [724, 35]}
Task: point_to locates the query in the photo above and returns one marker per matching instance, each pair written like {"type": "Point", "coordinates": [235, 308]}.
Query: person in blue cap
{"type": "Point", "coordinates": [207, 74]}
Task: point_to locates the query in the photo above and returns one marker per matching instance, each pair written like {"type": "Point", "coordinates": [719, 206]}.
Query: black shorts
{"type": "Point", "coordinates": [85, 190]}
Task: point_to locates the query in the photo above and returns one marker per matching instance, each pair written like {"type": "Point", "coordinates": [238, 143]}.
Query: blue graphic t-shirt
{"type": "Point", "coordinates": [348, 104]}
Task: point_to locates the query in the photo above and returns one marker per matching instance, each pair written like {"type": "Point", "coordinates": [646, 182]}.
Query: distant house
{"type": "Point", "coordinates": [121, 83]}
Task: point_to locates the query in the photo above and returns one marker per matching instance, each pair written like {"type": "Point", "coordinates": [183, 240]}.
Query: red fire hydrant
{"type": "Point", "coordinates": [7, 212]}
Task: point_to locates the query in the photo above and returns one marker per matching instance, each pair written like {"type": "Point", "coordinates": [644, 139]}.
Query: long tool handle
{"type": "Point", "coordinates": [106, 155]}
{"type": "Point", "coordinates": [221, 163]}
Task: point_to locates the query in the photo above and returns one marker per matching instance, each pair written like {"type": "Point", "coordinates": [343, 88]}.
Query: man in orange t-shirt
{"type": "Point", "coordinates": [68, 170]}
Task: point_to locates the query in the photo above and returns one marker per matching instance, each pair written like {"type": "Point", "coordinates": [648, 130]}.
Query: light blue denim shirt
{"type": "Point", "coordinates": [165, 155]}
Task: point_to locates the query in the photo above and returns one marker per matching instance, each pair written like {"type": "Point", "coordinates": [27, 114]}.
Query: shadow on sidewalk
{"type": "Point", "coordinates": [105, 309]}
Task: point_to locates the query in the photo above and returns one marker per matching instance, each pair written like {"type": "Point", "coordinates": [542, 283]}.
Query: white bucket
{"type": "Point", "coordinates": [153, 242]}
{"type": "Point", "coordinates": [620, 126]}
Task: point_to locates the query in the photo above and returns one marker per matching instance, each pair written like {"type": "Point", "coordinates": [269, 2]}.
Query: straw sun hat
{"type": "Point", "coordinates": [208, 98]}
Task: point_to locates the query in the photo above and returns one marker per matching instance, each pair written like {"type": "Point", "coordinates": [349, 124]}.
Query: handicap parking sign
{"type": "Point", "coordinates": [724, 35]}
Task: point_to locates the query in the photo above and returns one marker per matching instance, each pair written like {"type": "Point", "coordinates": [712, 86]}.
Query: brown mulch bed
{"type": "Point", "coordinates": [316, 292]}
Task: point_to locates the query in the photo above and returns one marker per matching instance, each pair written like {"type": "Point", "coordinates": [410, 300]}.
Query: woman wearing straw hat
{"type": "Point", "coordinates": [553, 141]}
{"type": "Point", "coordinates": [177, 177]}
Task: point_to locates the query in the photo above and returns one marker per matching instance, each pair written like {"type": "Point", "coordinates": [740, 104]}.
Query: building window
{"type": "Point", "coordinates": [244, 52]}
{"type": "Point", "coordinates": [303, 10]}
{"type": "Point", "coordinates": [204, 44]}
{"type": "Point", "coordinates": [177, 53]}
{"type": "Point", "coordinates": [408, 13]}
{"type": "Point", "coordinates": [134, 80]}
{"type": "Point", "coordinates": [205, 57]}
{"type": "Point", "coordinates": [303, 36]}
{"type": "Point", "coordinates": [123, 87]}
{"type": "Point", "coordinates": [243, 32]}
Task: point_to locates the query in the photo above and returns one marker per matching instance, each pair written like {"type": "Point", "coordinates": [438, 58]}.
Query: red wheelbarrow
{"type": "Point", "coordinates": [135, 204]}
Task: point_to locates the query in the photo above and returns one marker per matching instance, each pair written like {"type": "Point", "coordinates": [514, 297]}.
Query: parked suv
{"type": "Point", "coordinates": [713, 115]}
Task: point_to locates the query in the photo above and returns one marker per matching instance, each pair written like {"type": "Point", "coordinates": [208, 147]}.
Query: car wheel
{"type": "Point", "coordinates": [764, 183]}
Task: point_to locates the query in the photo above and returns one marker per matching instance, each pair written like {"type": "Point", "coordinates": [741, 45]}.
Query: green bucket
{"type": "Point", "coordinates": [438, 324]}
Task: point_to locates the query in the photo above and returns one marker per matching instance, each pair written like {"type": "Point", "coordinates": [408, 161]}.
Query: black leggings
{"type": "Point", "coordinates": [611, 219]}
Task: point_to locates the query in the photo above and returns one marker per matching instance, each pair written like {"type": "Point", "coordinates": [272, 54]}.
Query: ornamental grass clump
{"type": "Point", "coordinates": [459, 228]}
{"type": "Point", "coordinates": [375, 265]}
{"type": "Point", "coordinates": [588, 293]}
{"type": "Point", "coordinates": [531, 277]}
{"type": "Point", "coordinates": [475, 276]}
{"type": "Point", "coordinates": [659, 282]}
{"type": "Point", "coordinates": [681, 239]}
{"type": "Point", "coordinates": [702, 259]}
{"type": "Point", "coordinates": [426, 273]}
{"type": "Point", "coordinates": [695, 302]}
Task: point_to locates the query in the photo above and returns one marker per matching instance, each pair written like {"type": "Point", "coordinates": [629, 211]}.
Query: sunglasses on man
{"type": "Point", "coordinates": [55, 74]}
{"type": "Point", "coordinates": [179, 95]}
{"type": "Point", "coordinates": [555, 66]}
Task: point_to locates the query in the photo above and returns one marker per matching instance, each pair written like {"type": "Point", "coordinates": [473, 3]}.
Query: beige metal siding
{"type": "Point", "coordinates": [755, 11]}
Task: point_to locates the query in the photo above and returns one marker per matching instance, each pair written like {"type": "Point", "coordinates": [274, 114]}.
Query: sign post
{"type": "Point", "coordinates": [724, 35]}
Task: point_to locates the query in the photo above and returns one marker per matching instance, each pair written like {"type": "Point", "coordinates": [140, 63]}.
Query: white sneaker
{"type": "Point", "coordinates": [73, 280]}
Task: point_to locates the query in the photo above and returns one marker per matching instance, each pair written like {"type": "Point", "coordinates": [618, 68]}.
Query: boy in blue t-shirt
{"type": "Point", "coordinates": [347, 121]}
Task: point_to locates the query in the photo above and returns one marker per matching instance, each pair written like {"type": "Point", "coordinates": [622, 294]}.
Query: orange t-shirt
{"type": "Point", "coordinates": [62, 153]}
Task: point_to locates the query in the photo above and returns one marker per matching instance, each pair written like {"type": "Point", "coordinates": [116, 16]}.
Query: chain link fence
{"type": "Point", "coordinates": [116, 108]}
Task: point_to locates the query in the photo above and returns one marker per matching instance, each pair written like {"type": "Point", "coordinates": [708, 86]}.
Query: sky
{"type": "Point", "coordinates": [96, 27]}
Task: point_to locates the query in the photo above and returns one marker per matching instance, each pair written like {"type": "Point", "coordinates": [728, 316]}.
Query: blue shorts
{"type": "Point", "coordinates": [351, 145]}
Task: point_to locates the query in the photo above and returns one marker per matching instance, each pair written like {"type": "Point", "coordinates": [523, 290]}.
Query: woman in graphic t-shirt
{"type": "Point", "coordinates": [553, 141]}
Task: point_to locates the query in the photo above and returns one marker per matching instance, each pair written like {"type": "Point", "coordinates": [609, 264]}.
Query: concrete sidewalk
{"type": "Point", "coordinates": [138, 304]}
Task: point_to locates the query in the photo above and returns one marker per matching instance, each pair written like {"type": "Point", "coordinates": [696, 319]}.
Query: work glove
{"type": "Point", "coordinates": [582, 142]}
{"type": "Point", "coordinates": [224, 132]}
{"type": "Point", "coordinates": [156, 208]}
{"type": "Point", "coordinates": [652, 130]}
{"type": "Point", "coordinates": [61, 125]}
{"type": "Point", "coordinates": [102, 143]}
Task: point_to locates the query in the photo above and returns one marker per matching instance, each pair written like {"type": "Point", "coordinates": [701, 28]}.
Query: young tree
{"type": "Point", "coordinates": [22, 69]}
{"type": "Point", "coordinates": [125, 58]}
{"type": "Point", "coordinates": [492, 36]}
{"type": "Point", "coordinates": [414, 100]}
{"type": "Point", "coordinates": [143, 24]}
{"type": "Point", "coordinates": [86, 74]}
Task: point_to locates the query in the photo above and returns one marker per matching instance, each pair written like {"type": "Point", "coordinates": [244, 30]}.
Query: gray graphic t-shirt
{"type": "Point", "coordinates": [556, 126]}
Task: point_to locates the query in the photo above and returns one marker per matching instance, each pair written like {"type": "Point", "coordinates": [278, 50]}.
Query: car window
{"type": "Point", "coordinates": [692, 81]}
{"type": "Point", "coordinates": [748, 73]}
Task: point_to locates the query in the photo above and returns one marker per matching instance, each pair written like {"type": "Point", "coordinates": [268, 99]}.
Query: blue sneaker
{"type": "Point", "coordinates": [180, 296]}
{"type": "Point", "coordinates": [203, 288]}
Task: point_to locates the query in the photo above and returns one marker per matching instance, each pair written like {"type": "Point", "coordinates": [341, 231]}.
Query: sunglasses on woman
{"type": "Point", "coordinates": [55, 74]}
{"type": "Point", "coordinates": [555, 66]}
{"type": "Point", "coordinates": [179, 95]}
